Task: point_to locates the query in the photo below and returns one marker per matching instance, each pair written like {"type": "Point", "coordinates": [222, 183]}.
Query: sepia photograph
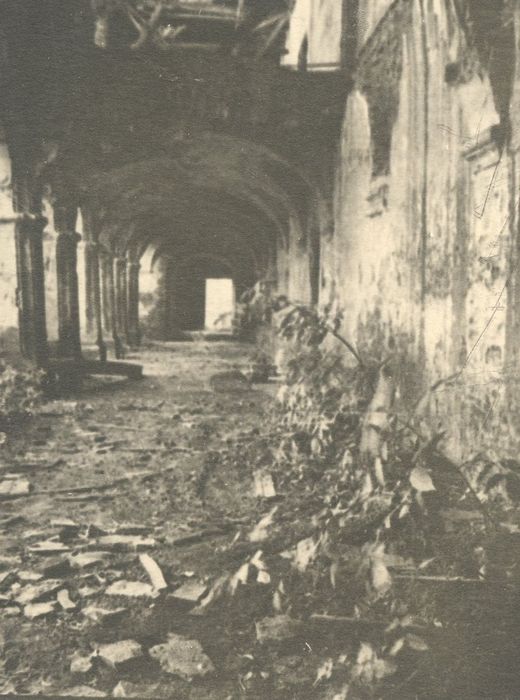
{"type": "Point", "coordinates": [260, 349]}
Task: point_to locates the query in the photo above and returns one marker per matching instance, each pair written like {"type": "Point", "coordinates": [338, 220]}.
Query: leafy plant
{"type": "Point", "coordinates": [20, 391]}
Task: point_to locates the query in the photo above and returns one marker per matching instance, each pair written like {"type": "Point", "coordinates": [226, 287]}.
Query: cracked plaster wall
{"type": "Point", "coordinates": [419, 253]}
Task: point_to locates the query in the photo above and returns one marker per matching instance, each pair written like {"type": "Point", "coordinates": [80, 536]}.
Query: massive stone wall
{"type": "Point", "coordinates": [418, 259]}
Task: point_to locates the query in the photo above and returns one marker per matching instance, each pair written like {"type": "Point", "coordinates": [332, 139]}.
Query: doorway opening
{"type": "Point", "coordinates": [220, 304]}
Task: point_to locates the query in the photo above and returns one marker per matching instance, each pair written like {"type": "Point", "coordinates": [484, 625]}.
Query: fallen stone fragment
{"type": "Point", "coordinates": [94, 530]}
{"type": "Point", "coordinates": [64, 600]}
{"type": "Point", "coordinates": [264, 485]}
{"type": "Point", "coordinates": [132, 589]}
{"type": "Point", "coordinates": [7, 578]}
{"type": "Point", "coordinates": [34, 593]}
{"type": "Point", "coordinates": [9, 562]}
{"type": "Point", "coordinates": [190, 592]}
{"type": "Point", "coordinates": [12, 488]}
{"type": "Point", "coordinates": [126, 689]}
{"type": "Point", "coordinates": [36, 610]}
{"type": "Point", "coordinates": [153, 571]}
{"type": "Point", "coordinates": [82, 691]}
{"type": "Point", "coordinates": [102, 614]}
{"type": "Point", "coordinates": [63, 522]}
{"type": "Point", "coordinates": [229, 382]}
{"type": "Point", "coordinates": [86, 560]}
{"type": "Point", "coordinates": [132, 543]}
{"type": "Point", "coordinates": [29, 576]}
{"type": "Point", "coordinates": [182, 657]}
{"type": "Point", "coordinates": [80, 664]}
{"type": "Point", "coordinates": [5, 600]}
{"type": "Point", "coordinates": [132, 529]}
{"type": "Point", "coordinates": [56, 568]}
{"type": "Point", "coordinates": [119, 654]}
{"type": "Point", "coordinates": [89, 591]}
{"type": "Point", "coordinates": [48, 547]}
{"type": "Point", "coordinates": [11, 611]}
{"type": "Point", "coordinates": [279, 628]}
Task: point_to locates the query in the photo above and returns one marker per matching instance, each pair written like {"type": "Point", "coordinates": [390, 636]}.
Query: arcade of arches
{"type": "Point", "coordinates": [310, 145]}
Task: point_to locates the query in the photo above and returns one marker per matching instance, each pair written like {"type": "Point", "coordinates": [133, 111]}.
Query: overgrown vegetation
{"type": "Point", "coordinates": [390, 553]}
{"type": "Point", "coordinates": [20, 392]}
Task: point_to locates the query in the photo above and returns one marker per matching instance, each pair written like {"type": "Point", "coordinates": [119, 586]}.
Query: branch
{"type": "Point", "coordinates": [144, 29]}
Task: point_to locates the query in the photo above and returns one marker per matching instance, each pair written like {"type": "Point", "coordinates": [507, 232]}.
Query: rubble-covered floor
{"type": "Point", "coordinates": [90, 485]}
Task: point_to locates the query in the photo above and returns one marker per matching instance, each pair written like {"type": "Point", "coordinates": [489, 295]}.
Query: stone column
{"type": "Point", "coordinates": [134, 335]}
{"type": "Point", "coordinates": [106, 264]}
{"type": "Point", "coordinates": [121, 296]}
{"type": "Point", "coordinates": [69, 342]}
{"type": "Point", "coordinates": [96, 299]}
{"type": "Point", "coordinates": [30, 292]}
{"type": "Point", "coordinates": [112, 299]}
{"type": "Point", "coordinates": [90, 254]}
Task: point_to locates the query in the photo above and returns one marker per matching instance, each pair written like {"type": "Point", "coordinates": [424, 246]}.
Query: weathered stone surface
{"type": "Point", "coordinates": [120, 654]}
{"type": "Point", "coordinates": [85, 560]}
{"type": "Point", "coordinates": [6, 579]}
{"type": "Point", "coordinates": [56, 568]}
{"type": "Point", "coordinates": [131, 589]}
{"type": "Point", "coordinates": [29, 576]}
{"type": "Point", "coordinates": [64, 600]}
{"type": "Point", "coordinates": [182, 657]}
{"type": "Point", "coordinates": [36, 610]}
{"type": "Point", "coordinates": [34, 593]}
{"type": "Point", "coordinates": [98, 614]}
{"type": "Point", "coordinates": [83, 691]}
{"type": "Point", "coordinates": [11, 488]}
{"type": "Point", "coordinates": [190, 592]}
{"type": "Point", "coordinates": [126, 689]}
{"type": "Point", "coordinates": [154, 572]}
{"type": "Point", "coordinates": [279, 628]}
{"type": "Point", "coordinates": [48, 547]}
{"type": "Point", "coordinates": [264, 485]}
{"type": "Point", "coordinates": [132, 543]}
{"type": "Point", "coordinates": [80, 664]}
{"type": "Point", "coordinates": [232, 381]}
{"type": "Point", "coordinates": [7, 562]}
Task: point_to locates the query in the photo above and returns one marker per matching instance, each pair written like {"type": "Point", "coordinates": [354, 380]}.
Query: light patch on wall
{"type": "Point", "coordinates": [220, 304]}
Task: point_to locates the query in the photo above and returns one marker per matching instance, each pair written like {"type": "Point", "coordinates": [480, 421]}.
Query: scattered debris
{"type": "Point", "coordinates": [126, 689]}
{"type": "Point", "coordinates": [11, 611]}
{"type": "Point", "coordinates": [80, 664]}
{"type": "Point", "coordinates": [48, 547]}
{"type": "Point", "coordinates": [153, 571]}
{"type": "Point", "coordinates": [56, 568]}
{"type": "Point", "coordinates": [97, 614]}
{"type": "Point", "coordinates": [13, 488]}
{"type": "Point", "coordinates": [182, 657]}
{"type": "Point", "coordinates": [190, 592]}
{"type": "Point", "coordinates": [126, 543]}
{"type": "Point", "coordinates": [36, 610]}
{"type": "Point", "coordinates": [64, 600]}
{"type": "Point", "coordinates": [278, 629]}
{"type": "Point", "coordinates": [34, 593]}
{"type": "Point", "coordinates": [119, 654]}
{"type": "Point", "coordinates": [232, 381]}
{"type": "Point", "coordinates": [85, 560]}
{"type": "Point", "coordinates": [132, 589]}
{"type": "Point", "coordinates": [29, 576]}
{"type": "Point", "coordinates": [83, 691]}
{"type": "Point", "coordinates": [264, 485]}
{"type": "Point", "coordinates": [7, 578]}
{"type": "Point", "coordinates": [261, 531]}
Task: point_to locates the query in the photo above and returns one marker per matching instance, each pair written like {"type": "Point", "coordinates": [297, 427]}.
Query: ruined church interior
{"type": "Point", "coordinates": [259, 346]}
